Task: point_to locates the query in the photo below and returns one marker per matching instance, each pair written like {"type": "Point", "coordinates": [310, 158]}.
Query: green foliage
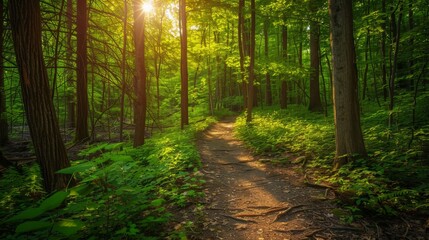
{"type": "Point", "coordinates": [122, 192]}
{"type": "Point", "coordinates": [394, 177]}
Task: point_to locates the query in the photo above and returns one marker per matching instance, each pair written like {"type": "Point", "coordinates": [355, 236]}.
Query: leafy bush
{"type": "Point", "coordinates": [122, 192]}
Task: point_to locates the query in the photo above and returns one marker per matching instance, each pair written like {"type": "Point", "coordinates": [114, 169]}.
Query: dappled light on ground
{"type": "Point", "coordinates": [246, 198]}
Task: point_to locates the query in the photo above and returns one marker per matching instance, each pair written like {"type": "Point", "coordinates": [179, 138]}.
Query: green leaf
{"type": "Point", "coordinates": [54, 201]}
{"type": "Point", "coordinates": [114, 146]}
{"type": "Point", "coordinates": [28, 213]}
{"type": "Point", "coordinates": [157, 202]}
{"type": "Point", "coordinates": [68, 227]}
{"type": "Point", "coordinates": [81, 189]}
{"type": "Point", "coordinates": [77, 168]}
{"type": "Point", "coordinates": [31, 226]}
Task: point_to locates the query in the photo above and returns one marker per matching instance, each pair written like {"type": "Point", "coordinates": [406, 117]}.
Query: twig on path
{"type": "Point", "coordinates": [276, 210]}
{"type": "Point", "coordinates": [408, 228]}
{"type": "Point", "coordinates": [315, 185]}
{"type": "Point", "coordinates": [314, 232]}
{"type": "Point", "coordinates": [238, 219]}
{"type": "Point", "coordinates": [255, 186]}
{"type": "Point", "coordinates": [239, 162]}
{"type": "Point", "coordinates": [249, 215]}
{"type": "Point", "coordinates": [281, 214]}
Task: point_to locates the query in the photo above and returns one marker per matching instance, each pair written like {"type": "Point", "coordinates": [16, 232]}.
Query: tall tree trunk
{"type": "Point", "coordinates": [4, 135]}
{"type": "Point", "coordinates": [251, 88]}
{"type": "Point", "coordinates": [348, 132]}
{"type": "Point", "coordinates": [365, 71]}
{"type": "Point", "coordinates": [71, 117]}
{"type": "Point", "coordinates": [396, 32]}
{"type": "Point", "coordinates": [315, 102]}
{"type": "Point", "coordinates": [383, 50]}
{"type": "Point", "coordinates": [183, 65]}
{"type": "Point", "coordinates": [268, 93]}
{"type": "Point", "coordinates": [411, 42]}
{"type": "Point", "coordinates": [283, 88]}
{"type": "Point", "coordinates": [82, 72]}
{"type": "Point", "coordinates": [140, 104]}
{"type": "Point", "coordinates": [123, 69]}
{"type": "Point", "coordinates": [49, 148]}
{"type": "Point", "coordinates": [241, 45]}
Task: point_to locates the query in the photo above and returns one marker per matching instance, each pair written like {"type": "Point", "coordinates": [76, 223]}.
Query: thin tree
{"type": "Point", "coordinates": [284, 87]}
{"type": "Point", "coordinates": [241, 45]}
{"type": "Point", "coordinates": [82, 72]}
{"type": "Point", "coordinates": [183, 64]}
{"type": "Point", "coordinates": [315, 101]}
{"type": "Point", "coordinates": [4, 136]}
{"type": "Point", "coordinates": [396, 33]}
{"type": "Point", "coordinates": [49, 148]}
{"type": "Point", "coordinates": [71, 117]}
{"type": "Point", "coordinates": [383, 49]}
{"type": "Point", "coordinates": [123, 70]}
{"type": "Point", "coordinates": [140, 104]}
{"type": "Point", "coordinates": [251, 88]}
{"type": "Point", "coordinates": [348, 132]}
{"type": "Point", "coordinates": [268, 93]}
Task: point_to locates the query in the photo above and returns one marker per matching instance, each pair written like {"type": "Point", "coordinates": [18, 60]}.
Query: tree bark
{"type": "Point", "coordinates": [123, 69]}
{"type": "Point", "coordinates": [283, 88]}
{"type": "Point", "coordinates": [383, 50]}
{"type": "Point", "coordinates": [4, 135]}
{"type": "Point", "coordinates": [140, 104]}
{"type": "Point", "coordinates": [250, 87]}
{"type": "Point", "coordinates": [49, 148]}
{"type": "Point", "coordinates": [82, 72]}
{"type": "Point", "coordinates": [183, 65]}
{"type": "Point", "coordinates": [315, 101]}
{"type": "Point", "coordinates": [71, 117]}
{"type": "Point", "coordinates": [241, 45]}
{"type": "Point", "coordinates": [396, 32]}
{"type": "Point", "coordinates": [348, 133]}
{"type": "Point", "coordinates": [268, 93]}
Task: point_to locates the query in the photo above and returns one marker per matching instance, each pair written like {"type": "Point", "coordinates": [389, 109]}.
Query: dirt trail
{"type": "Point", "coordinates": [249, 199]}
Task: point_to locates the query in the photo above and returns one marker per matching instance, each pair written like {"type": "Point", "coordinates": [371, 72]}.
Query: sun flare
{"type": "Point", "coordinates": [147, 7]}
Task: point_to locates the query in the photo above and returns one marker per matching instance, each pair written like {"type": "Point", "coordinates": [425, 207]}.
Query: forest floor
{"type": "Point", "coordinates": [248, 197]}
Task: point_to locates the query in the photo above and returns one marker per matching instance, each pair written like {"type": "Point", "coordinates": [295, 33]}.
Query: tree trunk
{"type": "Point", "coordinates": [383, 50]}
{"type": "Point", "coordinates": [71, 117]}
{"type": "Point", "coordinates": [140, 104]}
{"type": "Point", "coordinates": [241, 43]}
{"type": "Point", "coordinates": [251, 88]}
{"type": "Point", "coordinates": [49, 148]}
{"type": "Point", "coordinates": [183, 65]}
{"type": "Point", "coordinates": [283, 89]}
{"type": "Point", "coordinates": [315, 102]}
{"type": "Point", "coordinates": [268, 93]}
{"type": "Point", "coordinates": [82, 72]}
{"type": "Point", "coordinates": [396, 32]}
{"type": "Point", "coordinates": [348, 133]}
{"type": "Point", "coordinates": [123, 69]}
{"type": "Point", "coordinates": [4, 135]}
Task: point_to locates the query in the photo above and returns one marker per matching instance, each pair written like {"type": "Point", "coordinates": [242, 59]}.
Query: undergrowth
{"type": "Point", "coordinates": [394, 178]}
{"type": "Point", "coordinates": [122, 192]}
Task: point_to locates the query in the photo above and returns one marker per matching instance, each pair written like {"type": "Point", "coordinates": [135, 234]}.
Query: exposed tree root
{"type": "Point", "coordinates": [238, 219]}
{"type": "Point", "coordinates": [283, 213]}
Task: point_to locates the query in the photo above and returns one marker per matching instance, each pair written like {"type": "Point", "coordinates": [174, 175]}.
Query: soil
{"type": "Point", "coordinates": [251, 197]}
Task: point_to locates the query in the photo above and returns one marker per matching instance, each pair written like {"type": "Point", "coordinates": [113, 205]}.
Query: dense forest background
{"type": "Point", "coordinates": [132, 84]}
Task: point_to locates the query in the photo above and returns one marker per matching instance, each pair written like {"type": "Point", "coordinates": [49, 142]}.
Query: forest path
{"type": "Point", "coordinates": [249, 199]}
